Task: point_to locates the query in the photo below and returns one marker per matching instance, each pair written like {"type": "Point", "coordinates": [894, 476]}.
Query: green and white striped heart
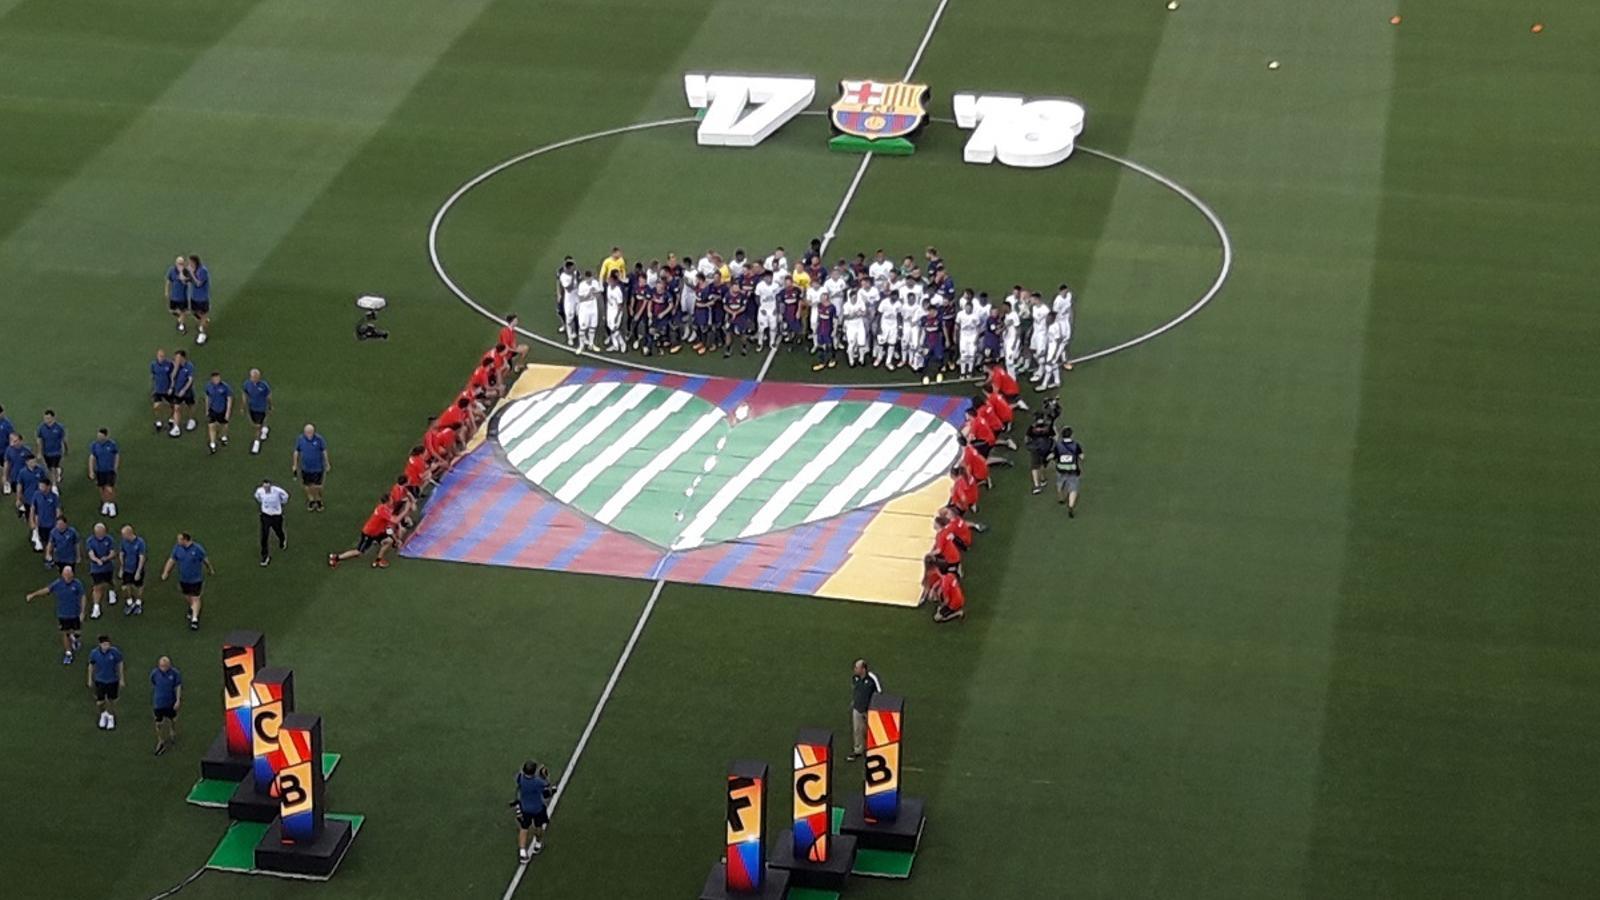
{"type": "Point", "coordinates": [676, 470]}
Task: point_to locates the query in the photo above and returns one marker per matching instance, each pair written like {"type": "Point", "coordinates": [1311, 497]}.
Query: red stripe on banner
{"type": "Point", "coordinates": [470, 496]}
{"type": "Point", "coordinates": [717, 390]}
{"type": "Point", "coordinates": [768, 552]}
{"type": "Point", "coordinates": [693, 566]}
{"type": "Point", "coordinates": [616, 553]}
{"type": "Point", "coordinates": [891, 728]}
{"type": "Point", "coordinates": [508, 529]}
{"type": "Point", "coordinates": [565, 528]}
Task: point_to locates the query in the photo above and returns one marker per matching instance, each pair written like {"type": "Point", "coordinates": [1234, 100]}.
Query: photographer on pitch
{"type": "Point", "coordinates": [1041, 440]}
{"type": "Point", "coordinates": [531, 809]}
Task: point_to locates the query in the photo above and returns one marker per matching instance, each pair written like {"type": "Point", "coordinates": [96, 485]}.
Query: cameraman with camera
{"type": "Point", "coordinates": [533, 816]}
{"type": "Point", "coordinates": [1041, 439]}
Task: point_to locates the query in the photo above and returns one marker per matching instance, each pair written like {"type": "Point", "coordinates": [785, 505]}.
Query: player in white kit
{"type": "Point", "coordinates": [835, 287]}
{"type": "Point", "coordinates": [589, 294]}
{"type": "Point", "coordinates": [1055, 353]}
{"type": "Point", "coordinates": [968, 323]}
{"type": "Point", "coordinates": [869, 295]}
{"type": "Point", "coordinates": [888, 313]}
{"type": "Point", "coordinates": [766, 312]}
{"type": "Point", "coordinates": [1062, 307]}
{"type": "Point", "coordinates": [881, 268]}
{"type": "Point", "coordinates": [688, 292]}
{"type": "Point", "coordinates": [616, 337]}
{"type": "Point", "coordinates": [854, 313]}
{"type": "Point", "coordinates": [567, 289]}
{"type": "Point", "coordinates": [1012, 341]}
{"type": "Point", "coordinates": [1039, 339]}
{"type": "Point", "coordinates": [911, 332]}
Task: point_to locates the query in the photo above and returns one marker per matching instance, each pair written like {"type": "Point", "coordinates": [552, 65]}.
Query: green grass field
{"type": "Point", "coordinates": [1325, 625]}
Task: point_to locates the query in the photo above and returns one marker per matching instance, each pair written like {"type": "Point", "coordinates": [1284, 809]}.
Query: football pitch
{"type": "Point", "coordinates": [1323, 626]}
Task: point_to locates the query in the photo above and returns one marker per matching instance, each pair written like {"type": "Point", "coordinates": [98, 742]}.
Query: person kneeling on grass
{"type": "Point", "coordinates": [531, 809]}
{"type": "Point", "coordinates": [952, 600]}
{"type": "Point", "coordinates": [383, 530]}
{"type": "Point", "coordinates": [944, 558]}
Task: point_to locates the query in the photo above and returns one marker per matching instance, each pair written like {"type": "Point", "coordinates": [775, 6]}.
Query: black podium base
{"type": "Point", "coordinates": [248, 806]}
{"type": "Point", "coordinates": [902, 835]}
{"type": "Point", "coordinates": [216, 763]}
{"type": "Point", "coordinates": [317, 859]}
{"type": "Point", "coordinates": [826, 876]}
{"type": "Point", "coordinates": [774, 887]}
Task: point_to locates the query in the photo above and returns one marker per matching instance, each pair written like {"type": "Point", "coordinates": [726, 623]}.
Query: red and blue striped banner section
{"type": "Point", "coordinates": [789, 488]}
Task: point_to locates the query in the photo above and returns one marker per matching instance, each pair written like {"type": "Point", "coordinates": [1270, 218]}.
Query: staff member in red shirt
{"type": "Point", "coordinates": [509, 339]}
{"type": "Point", "coordinates": [975, 465]}
{"type": "Point", "coordinates": [952, 599]}
{"type": "Point", "coordinates": [1001, 382]}
{"type": "Point", "coordinates": [383, 529]}
{"type": "Point", "coordinates": [964, 492]}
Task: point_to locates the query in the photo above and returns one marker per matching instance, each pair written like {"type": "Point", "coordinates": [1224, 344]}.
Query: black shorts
{"type": "Point", "coordinates": [367, 542]}
{"type": "Point", "coordinates": [311, 478]}
{"type": "Point", "coordinates": [177, 305]}
{"type": "Point", "coordinates": [52, 462]}
{"type": "Point", "coordinates": [258, 416]}
{"type": "Point", "coordinates": [63, 563]}
{"type": "Point", "coordinates": [72, 624]}
{"type": "Point", "coordinates": [1040, 458]}
{"type": "Point", "coordinates": [200, 307]}
{"type": "Point", "coordinates": [132, 579]}
{"type": "Point", "coordinates": [218, 418]}
{"type": "Point", "coordinates": [534, 820]}
{"type": "Point", "coordinates": [99, 577]}
{"type": "Point", "coordinates": [186, 398]}
{"type": "Point", "coordinates": [982, 448]}
{"type": "Point", "coordinates": [160, 398]}
{"type": "Point", "coordinates": [106, 690]}
{"type": "Point", "coordinates": [166, 712]}
{"type": "Point", "coordinates": [105, 479]}
{"type": "Point", "coordinates": [191, 588]}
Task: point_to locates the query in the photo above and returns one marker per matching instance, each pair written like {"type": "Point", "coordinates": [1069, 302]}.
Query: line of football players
{"type": "Point", "coordinates": [870, 311]}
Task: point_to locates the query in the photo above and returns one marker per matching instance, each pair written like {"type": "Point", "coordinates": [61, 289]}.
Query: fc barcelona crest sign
{"type": "Point", "coordinates": [879, 111]}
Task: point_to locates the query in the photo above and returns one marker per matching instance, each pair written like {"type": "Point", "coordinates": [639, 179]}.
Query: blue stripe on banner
{"type": "Point", "coordinates": [854, 523]}
{"type": "Point", "coordinates": [729, 562]}
{"type": "Point", "coordinates": [795, 547]}
{"type": "Point", "coordinates": [592, 531]}
{"type": "Point", "coordinates": [488, 517]}
{"type": "Point", "coordinates": [741, 392]}
{"type": "Point", "coordinates": [442, 513]}
{"type": "Point", "coordinates": [531, 533]}
{"type": "Point", "coordinates": [834, 394]}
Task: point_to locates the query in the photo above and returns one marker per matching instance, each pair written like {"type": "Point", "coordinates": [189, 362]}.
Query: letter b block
{"type": "Point", "coordinates": [883, 758]}
{"type": "Point", "coordinates": [300, 787]}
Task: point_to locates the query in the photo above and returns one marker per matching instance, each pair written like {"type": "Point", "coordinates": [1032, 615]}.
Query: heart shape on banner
{"type": "Point", "coordinates": [681, 472]}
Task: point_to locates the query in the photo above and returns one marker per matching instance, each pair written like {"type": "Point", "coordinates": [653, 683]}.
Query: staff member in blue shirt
{"type": "Point", "coordinates": [312, 464]}
{"type": "Point", "coordinates": [107, 674]}
{"type": "Point", "coordinates": [161, 371]}
{"type": "Point", "coordinates": [68, 591]}
{"type": "Point", "coordinates": [6, 431]}
{"type": "Point", "coordinates": [102, 550]}
{"type": "Point", "coordinates": [182, 392]}
{"type": "Point", "coordinates": [29, 476]}
{"type": "Point", "coordinates": [219, 407]}
{"type": "Point", "coordinates": [17, 454]}
{"type": "Point", "coordinates": [166, 695]}
{"type": "Point", "coordinates": [1069, 468]}
{"type": "Point", "coordinates": [44, 504]}
{"type": "Point", "coordinates": [199, 297]}
{"type": "Point", "coordinates": [192, 564]}
{"type": "Point", "coordinates": [52, 444]}
{"type": "Point", "coordinates": [134, 555]}
{"type": "Point", "coordinates": [177, 291]}
{"type": "Point", "coordinates": [258, 400]}
{"type": "Point", "coordinates": [62, 549]}
{"type": "Point", "coordinates": [105, 459]}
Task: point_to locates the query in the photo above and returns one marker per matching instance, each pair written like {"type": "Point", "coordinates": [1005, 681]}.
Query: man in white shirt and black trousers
{"type": "Point", "coordinates": [271, 498]}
